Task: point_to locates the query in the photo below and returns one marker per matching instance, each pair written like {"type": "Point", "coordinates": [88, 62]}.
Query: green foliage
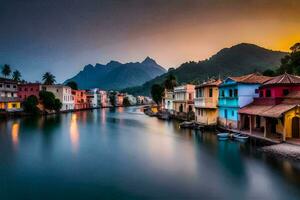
{"type": "Point", "coordinates": [269, 72]}
{"type": "Point", "coordinates": [170, 82]}
{"type": "Point", "coordinates": [291, 63]}
{"type": "Point", "coordinates": [157, 92]}
{"type": "Point", "coordinates": [112, 98]}
{"type": "Point", "coordinates": [30, 104]}
{"type": "Point", "coordinates": [49, 101]}
{"type": "Point", "coordinates": [48, 78]}
{"type": "Point", "coordinates": [57, 105]}
{"type": "Point", "coordinates": [6, 71]}
{"type": "Point", "coordinates": [126, 102]}
{"type": "Point", "coordinates": [73, 85]}
{"type": "Point", "coordinates": [16, 76]}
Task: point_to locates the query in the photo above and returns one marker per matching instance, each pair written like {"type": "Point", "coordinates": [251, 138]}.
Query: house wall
{"type": "Point", "coordinates": [26, 90]}
{"type": "Point", "coordinates": [206, 116]}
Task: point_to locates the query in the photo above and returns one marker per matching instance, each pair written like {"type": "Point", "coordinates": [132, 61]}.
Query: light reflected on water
{"type": "Point", "coordinates": [74, 133]}
{"type": "Point", "coordinates": [15, 133]}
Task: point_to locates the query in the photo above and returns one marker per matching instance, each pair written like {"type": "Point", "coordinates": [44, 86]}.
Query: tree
{"type": "Point", "coordinates": [48, 99]}
{"type": "Point", "coordinates": [16, 76]}
{"type": "Point", "coordinates": [170, 82]}
{"type": "Point", "coordinates": [112, 98]}
{"type": "Point", "coordinates": [73, 85]}
{"type": "Point", "coordinates": [30, 104]}
{"type": "Point", "coordinates": [157, 92]}
{"type": "Point", "coordinates": [291, 63]}
{"type": "Point", "coordinates": [269, 72]}
{"type": "Point", "coordinates": [6, 71]}
{"type": "Point", "coordinates": [126, 102]}
{"type": "Point", "coordinates": [48, 78]}
{"type": "Point", "coordinates": [57, 105]}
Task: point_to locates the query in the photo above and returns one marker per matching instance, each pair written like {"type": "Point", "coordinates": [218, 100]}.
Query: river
{"type": "Point", "coordinates": [123, 154]}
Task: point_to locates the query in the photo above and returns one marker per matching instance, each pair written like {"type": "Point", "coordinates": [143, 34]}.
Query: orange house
{"type": "Point", "coordinates": [80, 99]}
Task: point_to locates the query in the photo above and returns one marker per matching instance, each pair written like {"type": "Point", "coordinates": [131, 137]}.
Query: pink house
{"type": "Point", "coordinates": [27, 89]}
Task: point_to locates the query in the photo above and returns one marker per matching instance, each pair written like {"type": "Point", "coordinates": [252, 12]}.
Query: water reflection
{"type": "Point", "coordinates": [74, 133]}
{"type": "Point", "coordinates": [15, 133]}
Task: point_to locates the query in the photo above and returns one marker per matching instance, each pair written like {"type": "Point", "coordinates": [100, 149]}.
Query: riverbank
{"type": "Point", "coordinates": [20, 114]}
{"type": "Point", "coordinates": [283, 150]}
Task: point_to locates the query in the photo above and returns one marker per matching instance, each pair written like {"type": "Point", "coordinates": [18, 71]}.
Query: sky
{"type": "Point", "coordinates": [62, 36]}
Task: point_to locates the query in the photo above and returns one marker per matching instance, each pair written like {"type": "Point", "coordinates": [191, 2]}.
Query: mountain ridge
{"type": "Point", "coordinates": [236, 60]}
{"type": "Point", "coordinates": [116, 75]}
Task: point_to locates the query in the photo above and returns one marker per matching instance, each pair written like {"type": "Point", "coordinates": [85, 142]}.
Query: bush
{"type": "Point", "coordinates": [49, 101]}
{"type": "Point", "coordinates": [30, 104]}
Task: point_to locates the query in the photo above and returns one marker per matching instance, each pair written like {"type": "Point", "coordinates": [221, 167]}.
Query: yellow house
{"type": "Point", "coordinates": [292, 123]}
{"type": "Point", "coordinates": [206, 102]}
{"type": "Point", "coordinates": [9, 100]}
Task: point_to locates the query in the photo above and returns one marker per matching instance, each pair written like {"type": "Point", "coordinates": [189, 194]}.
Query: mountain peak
{"type": "Point", "coordinates": [149, 60]}
{"type": "Point", "coordinates": [113, 63]}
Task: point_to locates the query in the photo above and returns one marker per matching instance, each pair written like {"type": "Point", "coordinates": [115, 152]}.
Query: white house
{"type": "Point", "coordinates": [63, 93]}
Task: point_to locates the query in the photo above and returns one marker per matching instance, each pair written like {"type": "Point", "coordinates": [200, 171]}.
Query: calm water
{"type": "Point", "coordinates": [123, 154]}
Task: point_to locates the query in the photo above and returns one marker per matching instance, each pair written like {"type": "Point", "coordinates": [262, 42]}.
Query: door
{"type": "Point", "coordinates": [246, 122]}
{"type": "Point", "coordinates": [296, 127]}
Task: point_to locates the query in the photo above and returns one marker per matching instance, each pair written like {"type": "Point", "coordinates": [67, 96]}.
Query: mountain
{"type": "Point", "coordinates": [234, 61]}
{"type": "Point", "coordinates": [115, 75]}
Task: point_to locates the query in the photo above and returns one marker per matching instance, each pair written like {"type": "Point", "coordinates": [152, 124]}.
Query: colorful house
{"type": "Point", "coordinates": [167, 101]}
{"type": "Point", "coordinates": [104, 100]}
{"type": "Point", "coordinates": [9, 100]}
{"type": "Point", "coordinates": [29, 89]}
{"type": "Point", "coordinates": [235, 93]}
{"type": "Point", "coordinates": [275, 113]}
{"type": "Point", "coordinates": [184, 100]}
{"type": "Point", "coordinates": [206, 102]}
{"type": "Point", "coordinates": [80, 99]}
{"type": "Point", "coordinates": [119, 99]}
{"type": "Point", "coordinates": [63, 93]}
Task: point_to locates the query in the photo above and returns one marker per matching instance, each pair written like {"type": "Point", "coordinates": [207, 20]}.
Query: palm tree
{"type": "Point", "coordinates": [16, 76]}
{"type": "Point", "coordinates": [6, 70]}
{"type": "Point", "coordinates": [48, 78]}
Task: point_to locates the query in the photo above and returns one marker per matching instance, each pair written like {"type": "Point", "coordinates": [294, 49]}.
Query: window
{"type": "Point", "coordinates": [1, 85]}
{"type": "Point", "coordinates": [198, 111]}
{"type": "Point", "coordinates": [190, 96]}
{"type": "Point", "coordinates": [201, 112]}
{"type": "Point", "coordinates": [31, 89]}
{"type": "Point", "coordinates": [261, 93]}
{"type": "Point", "coordinates": [285, 92]}
{"type": "Point", "coordinates": [14, 86]}
{"type": "Point", "coordinates": [235, 92]}
{"type": "Point", "coordinates": [268, 93]}
{"type": "Point", "coordinates": [14, 105]}
{"type": "Point", "coordinates": [230, 93]}
{"type": "Point", "coordinates": [232, 113]}
{"type": "Point", "coordinates": [210, 92]}
{"type": "Point", "coordinates": [8, 86]}
{"type": "Point", "coordinates": [256, 91]}
{"type": "Point", "coordinates": [222, 93]}
{"type": "Point", "coordinates": [25, 89]}
{"type": "Point", "coordinates": [225, 113]}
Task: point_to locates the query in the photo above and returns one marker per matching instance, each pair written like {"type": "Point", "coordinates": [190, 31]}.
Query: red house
{"type": "Point", "coordinates": [266, 115]}
{"type": "Point", "coordinates": [27, 89]}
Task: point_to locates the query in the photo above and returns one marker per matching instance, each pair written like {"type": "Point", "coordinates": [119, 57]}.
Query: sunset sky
{"type": "Point", "coordinates": [62, 36]}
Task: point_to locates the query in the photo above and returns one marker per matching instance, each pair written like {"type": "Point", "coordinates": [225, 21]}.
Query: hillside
{"type": "Point", "coordinates": [234, 61]}
{"type": "Point", "coordinates": [116, 75]}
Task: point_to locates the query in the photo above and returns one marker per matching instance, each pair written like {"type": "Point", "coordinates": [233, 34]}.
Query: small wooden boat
{"type": "Point", "coordinates": [186, 124]}
{"type": "Point", "coordinates": [223, 136]}
{"type": "Point", "coordinates": [240, 137]}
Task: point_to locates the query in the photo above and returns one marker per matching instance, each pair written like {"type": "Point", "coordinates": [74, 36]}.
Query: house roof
{"type": "Point", "coordinates": [267, 111]}
{"type": "Point", "coordinates": [251, 78]}
{"type": "Point", "coordinates": [211, 82]}
{"type": "Point", "coordinates": [6, 80]}
{"type": "Point", "coordinates": [285, 79]}
{"type": "Point", "coordinates": [278, 110]}
{"type": "Point", "coordinates": [253, 109]}
{"type": "Point", "coordinates": [292, 98]}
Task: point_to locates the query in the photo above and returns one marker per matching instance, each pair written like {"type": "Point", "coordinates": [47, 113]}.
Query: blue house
{"type": "Point", "coordinates": [235, 93]}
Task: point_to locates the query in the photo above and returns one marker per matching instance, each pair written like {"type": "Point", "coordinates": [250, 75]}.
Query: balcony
{"type": "Point", "coordinates": [205, 102]}
{"type": "Point", "coordinates": [228, 101]}
{"type": "Point", "coordinates": [268, 100]}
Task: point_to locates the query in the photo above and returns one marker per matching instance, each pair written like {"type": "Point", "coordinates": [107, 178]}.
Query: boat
{"type": "Point", "coordinates": [240, 137]}
{"type": "Point", "coordinates": [223, 136]}
{"type": "Point", "coordinates": [186, 124]}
